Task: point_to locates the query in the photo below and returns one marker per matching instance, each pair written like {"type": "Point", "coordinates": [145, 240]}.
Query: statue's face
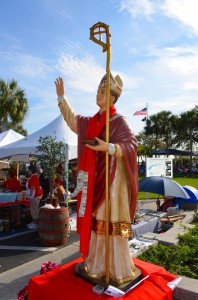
{"type": "Point", "coordinates": [101, 98]}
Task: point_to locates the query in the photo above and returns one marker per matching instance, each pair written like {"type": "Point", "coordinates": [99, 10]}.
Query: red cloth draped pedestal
{"type": "Point", "coordinates": [62, 283]}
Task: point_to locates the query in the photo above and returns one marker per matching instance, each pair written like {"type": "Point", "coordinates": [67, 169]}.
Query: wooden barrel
{"type": "Point", "coordinates": [53, 226]}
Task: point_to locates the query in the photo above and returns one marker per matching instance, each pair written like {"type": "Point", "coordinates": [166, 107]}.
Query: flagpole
{"type": "Point", "coordinates": [146, 111]}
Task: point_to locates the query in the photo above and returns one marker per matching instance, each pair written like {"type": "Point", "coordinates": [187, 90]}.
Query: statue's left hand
{"type": "Point", "coordinates": [102, 146]}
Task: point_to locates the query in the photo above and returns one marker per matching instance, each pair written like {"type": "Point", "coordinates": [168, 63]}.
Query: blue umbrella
{"type": "Point", "coordinates": [192, 192]}
{"type": "Point", "coordinates": [162, 186]}
{"type": "Point", "coordinates": [193, 195]}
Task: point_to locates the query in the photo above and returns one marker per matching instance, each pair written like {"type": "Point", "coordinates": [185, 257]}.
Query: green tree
{"type": "Point", "coordinates": [153, 130]}
{"type": "Point", "coordinates": [162, 127]}
{"type": "Point", "coordinates": [13, 106]}
{"type": "Point", "coordinates": [187, 127]}
{"type": "Point", "coordinates": [187, 130]}
{"type": "Point", "coordinates": [145, 144]}
{"type": "Point", "coordinates": [49, 154]}
{"type": "Point", "coordinates": [167, 128]}
{"type": "Point", "coordinates": [18, 128]}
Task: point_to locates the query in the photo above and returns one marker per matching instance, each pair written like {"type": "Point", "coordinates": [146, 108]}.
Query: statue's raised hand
{"type": "Point", "coordinates": [59, 86]}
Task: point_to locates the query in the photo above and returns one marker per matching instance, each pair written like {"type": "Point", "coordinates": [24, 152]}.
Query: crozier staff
{"type": "Point", "coordinates": [91, 182]}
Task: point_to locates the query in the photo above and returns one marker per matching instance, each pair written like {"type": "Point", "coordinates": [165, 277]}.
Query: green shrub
{"type": "Point", "coordinates": [180, 259]}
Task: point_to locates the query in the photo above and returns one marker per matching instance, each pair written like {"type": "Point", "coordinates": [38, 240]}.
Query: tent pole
{"type": "Point", "coordinates": [65, 170]}
{"type": "Point", "coordinates": [17, 169]}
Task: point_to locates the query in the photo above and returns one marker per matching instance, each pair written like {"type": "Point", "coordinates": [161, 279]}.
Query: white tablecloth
{"type": "Point", "coordinates": [140, 228]}
{"type": "Point", "coordinates": [143, 227]}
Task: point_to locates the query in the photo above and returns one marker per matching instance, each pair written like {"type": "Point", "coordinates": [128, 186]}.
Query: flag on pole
{"type": "Point", "coordinates": [144, 119]}
{"type": "Point", "coordinates": [142, 112]}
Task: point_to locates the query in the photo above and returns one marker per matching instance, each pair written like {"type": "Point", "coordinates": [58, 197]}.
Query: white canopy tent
{"type": "Point", "coordinates": [9, 136]}
{"type": "Point", "coordinates": [27, 146]}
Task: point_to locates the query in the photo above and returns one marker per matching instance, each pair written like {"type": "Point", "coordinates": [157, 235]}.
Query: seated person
{"type": "Point", "coordinates": [194, 170]}
{"type": "Point", "coordinates": [12, 184]}
{"type": "Point", "coordinates": [58, 180]}
{"type": "Point", "coordinates": [168, 202]}
{"type": "Point", "coordinates": [60, 194]}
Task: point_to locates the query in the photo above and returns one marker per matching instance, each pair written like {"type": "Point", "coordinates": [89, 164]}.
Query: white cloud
{"type": "Point", "coordinates": [172, 51]}
{"type": "Point", "coordinates": [165, 82]}
{"type": "Point", "coordinates": [63, 13]}
{"type": "Point", "coordinates": [82, 74]}
{"type": "Point", "coordinates": [184, 65]}
{"type": "Point", "coordinates": [26, 64]}
{"type": "Point", "coordinates": [182, 61]}
{"type": "Point", "coordinates": [82, 71]}
{"type": "Point", "coordinates": [31, 66]}
{"type": "Point", "coordinates": [190, 85]}
{"type": "Point", "coordinates": [129, 82]}
{"type": "Point", "coordinates": [137, 7]}
{"type": "Point", "coordinates": [183, 10]}
{"type": "Point", "coordinates": [174, 104]}
{"type": "Point", "coordinates": [8, 37]}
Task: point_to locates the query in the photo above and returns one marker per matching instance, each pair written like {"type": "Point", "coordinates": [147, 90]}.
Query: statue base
{"type": "Point", "coordinates": [124, 286]}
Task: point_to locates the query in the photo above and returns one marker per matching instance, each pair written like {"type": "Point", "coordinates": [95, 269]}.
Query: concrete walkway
{"type": "Point", "coordinates": [12, 281]}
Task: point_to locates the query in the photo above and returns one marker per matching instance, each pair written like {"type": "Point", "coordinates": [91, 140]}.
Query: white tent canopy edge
{"type": "Point", "coordinates": [9, 136]}
{"type": "Point", "coordinates": [27, 146]}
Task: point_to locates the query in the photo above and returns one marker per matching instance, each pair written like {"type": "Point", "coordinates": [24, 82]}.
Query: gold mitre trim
{"type": "Point", "coordinates": [116, 83]}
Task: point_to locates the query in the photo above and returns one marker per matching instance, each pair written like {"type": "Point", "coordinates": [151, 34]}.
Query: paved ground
{"type": "Point", "coordinates": [21, 257]}
{"type": "Point", "coordinates": [18, 266]}
{"type": "Point", "coordinates": [18, 250]}
{"type": "Point", "coordinates": [23, 246]}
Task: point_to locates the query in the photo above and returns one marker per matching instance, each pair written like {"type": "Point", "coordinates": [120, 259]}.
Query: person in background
{"type": "Point", "coordinates": [58, 180]}
{"type": "Point", "coordinates": [168, 202]}
{"type": "Point", "coordinates": [44, 183]}
{"type": "Point", "coordinates": [60, 194]}
{"type": "Point", "coordinates": [35, 196]}
{"type": "Point", "coordinates": [13, 185]}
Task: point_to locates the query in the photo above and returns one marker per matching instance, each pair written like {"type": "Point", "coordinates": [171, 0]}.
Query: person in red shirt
{"type": "Point", "coordinates": [58, 180]}
{"type": "Point", "coordinates": [168, 202]}
{"type": "Point", "coordinates": [12, 183]}
{"type": "Point", "coordinates": [35, 196]}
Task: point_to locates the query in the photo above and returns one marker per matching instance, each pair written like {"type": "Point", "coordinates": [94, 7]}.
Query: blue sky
{"type": "Point", "coordinates": [154, 49]}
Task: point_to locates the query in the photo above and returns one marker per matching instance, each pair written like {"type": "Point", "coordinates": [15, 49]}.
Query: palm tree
{"type": "Point", "coordinates": [18, 127]}
{"type": "Point", "coordinates": [162, 126]}
{"type": "Point", "coordinates": [145, 144]}
{"type": "Point", "coordinates": [153, 129]}
{"type": "Point", "coordinates": [187, 129]}
{"type": "Point", "coordinates": [167, 127]}
{"type": "Point", "coordinates": [13, 106]}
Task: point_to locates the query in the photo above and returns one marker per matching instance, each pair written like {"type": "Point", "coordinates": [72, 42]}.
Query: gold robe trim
{"type": "Point", "coordinates": [115, 228]}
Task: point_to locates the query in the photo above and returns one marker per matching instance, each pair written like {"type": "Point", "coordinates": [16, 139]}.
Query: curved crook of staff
{"type": "Point", "coordinates": [98, 30]}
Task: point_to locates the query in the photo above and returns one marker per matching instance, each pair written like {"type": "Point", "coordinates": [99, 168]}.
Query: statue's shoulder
{"type": "Point", "coordinates": [117, 116]}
